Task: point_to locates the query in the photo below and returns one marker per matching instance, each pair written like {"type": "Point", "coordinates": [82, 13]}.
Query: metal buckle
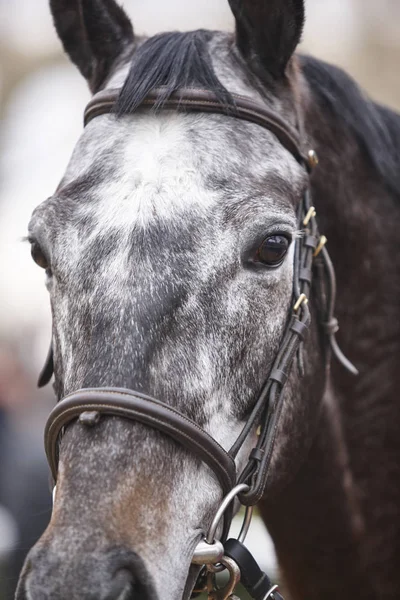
{"type": "Point", "coordinates": [322, 241]}
{"type": "Point", "coordinates": [302, 299]}
{"type": "Point", "coordinates": [312, 159]}
{"type": "Point", "coordinates": [310, 214]}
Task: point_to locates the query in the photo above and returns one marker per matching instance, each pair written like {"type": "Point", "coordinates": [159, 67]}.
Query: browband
{"type": "Point", "coordinates": [198, 100]}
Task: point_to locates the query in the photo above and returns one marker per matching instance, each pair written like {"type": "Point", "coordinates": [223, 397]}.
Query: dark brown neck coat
{"type": "Point", "coordinates": [337, 525]}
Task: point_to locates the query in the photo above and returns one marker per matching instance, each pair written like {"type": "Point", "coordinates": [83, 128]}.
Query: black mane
{"type": "Point", "coordinates": [171, 60]}
{"type": "Point", "coordinates": [376, 128]}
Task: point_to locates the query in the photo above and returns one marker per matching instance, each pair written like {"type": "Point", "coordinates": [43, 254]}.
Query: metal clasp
{"type": "Point", "coordinates": [227, 591]}
{"type": "Point", "coordinates": [302, 299]}
{"type": "Point", "coordinates": [310, 214]}
{"type": "Point", "coordinates": [322, 242]}
{"type": "Point", "coordinates": [312, 159]}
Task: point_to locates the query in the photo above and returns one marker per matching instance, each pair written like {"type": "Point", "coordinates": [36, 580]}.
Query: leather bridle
{"type": "Point", "coordinates": [310, 251]}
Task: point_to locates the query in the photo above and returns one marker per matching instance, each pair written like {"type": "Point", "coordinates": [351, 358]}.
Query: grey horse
{"type": "Point", "coordinates": [168, 248]}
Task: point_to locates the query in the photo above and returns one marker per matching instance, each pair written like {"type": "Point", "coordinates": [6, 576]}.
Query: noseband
{"type": "Point", "coordinates": [249, 485]}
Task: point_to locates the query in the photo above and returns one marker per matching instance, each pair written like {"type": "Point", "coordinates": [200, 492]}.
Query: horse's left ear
{"type": "Point", "coordinates": [94, 33]}
{"type": "Point", "coordinates": [268, 31]}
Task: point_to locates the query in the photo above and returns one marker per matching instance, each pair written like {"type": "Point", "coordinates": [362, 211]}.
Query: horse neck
{"type": "Point", "coordinates": [329, 535]}
{"type": "Point", "coordinates": [360, 216]}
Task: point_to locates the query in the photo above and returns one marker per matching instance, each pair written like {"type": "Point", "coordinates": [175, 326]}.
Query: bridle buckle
{"type": "Point", "coordinates": [302, 299]}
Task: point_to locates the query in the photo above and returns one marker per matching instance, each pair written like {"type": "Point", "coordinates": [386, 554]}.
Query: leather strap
{"type": "Point", "coordinates": [254, 581]}
{"type": "Point", "coordinates": [268, 408]}
{"type": "Point", "coordinates": [48, 369]}
{"type": "Point", "coordinates": [144, 409]}
{"type": "Point", "coordinates": [198, 100]}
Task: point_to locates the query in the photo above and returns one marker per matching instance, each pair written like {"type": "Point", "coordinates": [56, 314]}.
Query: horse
{"type": "Point", "coordinates": [172, 252]}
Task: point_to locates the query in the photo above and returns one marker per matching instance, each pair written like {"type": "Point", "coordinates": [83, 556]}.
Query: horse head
{"type": "Point", "coordinates": [169, 252]}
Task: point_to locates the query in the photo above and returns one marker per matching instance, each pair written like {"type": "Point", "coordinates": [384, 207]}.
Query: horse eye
{"type": "Point", "coordinates": [39, 256]}
{"type": "Point", "coordinates": [273, 250]}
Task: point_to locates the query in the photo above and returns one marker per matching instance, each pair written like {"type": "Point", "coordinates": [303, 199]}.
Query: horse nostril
{"type": "Point", "coordinates": [119, 574]}
{"type": "Point", "coordinates": [123, 586]}
{"type": "Point", "coordinates": [131, 580]}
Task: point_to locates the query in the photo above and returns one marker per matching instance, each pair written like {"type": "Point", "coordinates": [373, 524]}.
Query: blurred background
{"type": "Point", "coordinates": [41, 102]}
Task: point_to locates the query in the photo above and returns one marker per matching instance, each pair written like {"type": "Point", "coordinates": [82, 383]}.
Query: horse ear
{"type": "Point", "coordinates": [268, 31]}
{"type": "Point", "coordinates": [94, 34]}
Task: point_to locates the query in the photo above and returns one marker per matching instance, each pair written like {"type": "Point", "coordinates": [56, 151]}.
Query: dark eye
{"type": "Point", "coordinates": [273, 250]}
{"type": "Point", "coordinates": [39, 256]}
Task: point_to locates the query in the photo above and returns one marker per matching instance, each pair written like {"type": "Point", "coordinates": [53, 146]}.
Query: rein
{"type": "Point", "coordinates": [87, 405]}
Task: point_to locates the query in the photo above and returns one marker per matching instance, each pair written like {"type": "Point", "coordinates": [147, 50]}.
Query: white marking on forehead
{"type": "Point", "coordinates": [156, 176]}
{"type": "Point", "coordinates": [165, 173]}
